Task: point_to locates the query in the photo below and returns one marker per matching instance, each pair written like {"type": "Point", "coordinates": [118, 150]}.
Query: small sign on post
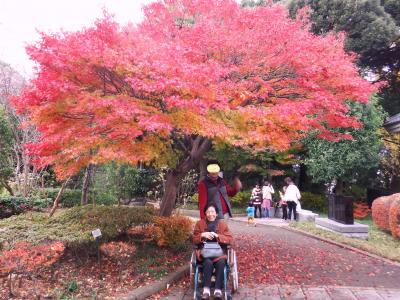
{"type": "Point", "coordinates": [97, 235]}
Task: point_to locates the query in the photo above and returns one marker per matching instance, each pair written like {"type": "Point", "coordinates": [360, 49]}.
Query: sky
{"type": "Point", "coordinates": [20, 20]}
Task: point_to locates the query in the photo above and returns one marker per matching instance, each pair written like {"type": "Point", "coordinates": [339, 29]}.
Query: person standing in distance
{"type": "Point", "coordinates": [292, 197]}
{"type": "Point", "coordinates": [214, 189]}
{"type": "Point", "coordinates": [267, 191]}
{"type": "Point", "coordinates": [256, 198]}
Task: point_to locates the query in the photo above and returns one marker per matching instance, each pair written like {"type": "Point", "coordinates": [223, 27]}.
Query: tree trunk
{"type": "Point", "coordinates": [10, 286]}
{"type": "Point", "coordinates": [7, 187]}
{"type": "Point", "coordinates": [203, 169]}
{"type": "Point", "coordinates": [26, 174]}
{"type": "Point", "coordinates": [86, 184]}
{"type": "Point", "coordinates": [58, 198]}
{"type": "Point", "coordinates": [303, 178]}
{"type": "Point", "coordinates": [17, 169]}
{"type": "Point", "coordinates": [168, 200]}
{"type": "Point", "coordinates": [198, 147]}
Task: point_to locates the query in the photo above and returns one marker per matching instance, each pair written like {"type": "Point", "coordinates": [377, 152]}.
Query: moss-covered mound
{"type": "Point", "coordinates": [73, 226]}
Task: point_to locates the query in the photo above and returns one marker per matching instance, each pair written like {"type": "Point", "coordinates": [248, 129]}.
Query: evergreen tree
{"type": "Point", "coordinates": [347, 160]}
{"type": "Point", "coordinates": [5, 151]}
{"type": "Point", "coordinates": [373, 31]}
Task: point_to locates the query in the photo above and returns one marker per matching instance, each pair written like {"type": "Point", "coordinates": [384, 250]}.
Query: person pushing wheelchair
{"type": "Point", "coordinates": [213, 231]}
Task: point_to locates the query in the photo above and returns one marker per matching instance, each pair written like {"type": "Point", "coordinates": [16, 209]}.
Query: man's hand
{"type": "Point", "coordinates": [237, 184]}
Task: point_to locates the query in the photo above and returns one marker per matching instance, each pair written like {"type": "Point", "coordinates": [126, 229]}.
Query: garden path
{"type": "Point", "coordinates": [275, 259]}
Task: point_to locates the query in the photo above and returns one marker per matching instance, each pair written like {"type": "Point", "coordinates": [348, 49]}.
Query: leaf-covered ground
{"type": "Point", "coordinates": [79, 276]}
{"type": "Point", "coordinates": [273, 255]}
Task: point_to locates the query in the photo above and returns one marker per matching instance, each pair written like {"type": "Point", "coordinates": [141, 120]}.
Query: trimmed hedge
{"type": "Point", "coordinates": [380, 212]}
{"type": "Point", "coordinates": [73, 226]}
{"type": "Point", "coordinates": [71, 197]}
{"type": "Point", "coordinates": [394, 216]}
{"type": "Point", "coordinates": [314, 202]}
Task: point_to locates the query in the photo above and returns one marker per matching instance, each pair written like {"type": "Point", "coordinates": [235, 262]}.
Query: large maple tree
{"type": "Point", "coordinates": [193, 72]}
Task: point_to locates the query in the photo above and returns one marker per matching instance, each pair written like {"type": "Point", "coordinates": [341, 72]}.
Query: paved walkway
{"type": "Point", "coordinates": [277, 222]}
{"type": "Point", "coordinates": [296, 292]}
{"type": "Point", "coordinates": [286, 265]}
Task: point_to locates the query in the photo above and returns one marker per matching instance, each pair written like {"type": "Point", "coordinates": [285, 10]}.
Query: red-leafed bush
{"type": "Point", "coordinates": [361, 210]}
{"type": "Point", "coordinates": [171, 231]}
{"type": "Point", "coordinates": [380, 212]}
{"type": "Point", "coordinates": [394, 216]}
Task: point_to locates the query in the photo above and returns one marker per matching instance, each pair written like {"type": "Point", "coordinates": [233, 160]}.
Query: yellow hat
{"type": "Point", "coordinates": [213, 168]}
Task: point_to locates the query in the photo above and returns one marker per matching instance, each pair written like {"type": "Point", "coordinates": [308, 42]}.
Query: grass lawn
{"type": "Point", "coordinates": [379, 242]}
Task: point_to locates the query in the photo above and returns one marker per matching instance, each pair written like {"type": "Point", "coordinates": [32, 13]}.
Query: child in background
{"type": "Point", "coordinates": [283, 203]}
{"type": "Point", "coordinates": [250, 214]}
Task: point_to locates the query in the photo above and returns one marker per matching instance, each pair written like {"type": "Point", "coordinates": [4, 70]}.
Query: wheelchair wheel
{"type": "Point", "coordinates": [196, 291]}
{"type": "Point", "coordinates": [192, 267]}
{"type": "Point", "coordinates": [234, 273]}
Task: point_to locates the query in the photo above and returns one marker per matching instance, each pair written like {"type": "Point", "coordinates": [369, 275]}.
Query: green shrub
{"type": "Point", "coordinates": [194, 198]}
{"type": "Point", "coordinates": [355, 191]}
{"type": "Point", "coordinates": [105, 198]}
{"type": "Point", "coordinates": [15, 205]}
{"type": "Point", "coordinates": [314, 202]}
{"type": "Point", "coordinates": [69, 197]}
{"type": "Point", "coordinates": [38, 203]}
{"type": "Point", "coordinates": [123, 181]}
{"type": "Point", "coordinates": [73, 226]}
{"type": "Point", "coordinates": [241, 199]}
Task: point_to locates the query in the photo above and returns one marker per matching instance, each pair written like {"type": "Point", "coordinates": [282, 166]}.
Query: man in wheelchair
{"type": "Point", "coordinates": [212, 237]}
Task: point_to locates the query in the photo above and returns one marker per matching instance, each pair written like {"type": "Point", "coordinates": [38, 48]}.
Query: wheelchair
{"type": "Point", "coordinates": [231, 279]}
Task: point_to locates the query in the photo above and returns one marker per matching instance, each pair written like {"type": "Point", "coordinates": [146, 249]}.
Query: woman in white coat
{"type": "Point", "coordinates": [292, 196]}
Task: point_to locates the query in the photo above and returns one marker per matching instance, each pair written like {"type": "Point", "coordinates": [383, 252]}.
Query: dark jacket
{"type": "Point", "coordinates": [217, 192]}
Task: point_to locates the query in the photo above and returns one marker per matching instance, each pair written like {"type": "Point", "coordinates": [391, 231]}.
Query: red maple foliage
{"type": "Point", "coordinates": [361, 210]}
{"type": "Point", "coordinates": [192, 72]}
